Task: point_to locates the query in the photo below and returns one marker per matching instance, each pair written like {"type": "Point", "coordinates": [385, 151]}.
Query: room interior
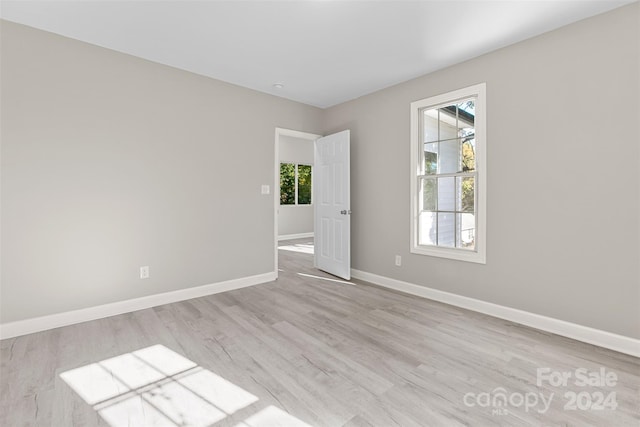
{"type": "Point", "coordinates": [295, 217]}
{"type": "Point", "coordinates": [111, 160]}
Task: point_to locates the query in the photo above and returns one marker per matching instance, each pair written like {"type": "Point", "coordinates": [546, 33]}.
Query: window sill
{"type": "Point", "coordinates": [450, 253]}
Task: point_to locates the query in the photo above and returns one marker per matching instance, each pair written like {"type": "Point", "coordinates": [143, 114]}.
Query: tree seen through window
{"type": "Point", "coordinates": [295, 184]}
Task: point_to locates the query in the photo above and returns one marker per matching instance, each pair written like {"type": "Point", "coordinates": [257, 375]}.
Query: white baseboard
{"type": "Point", "coordinates": [295, 236]}
{"type": "Point", "coordinates": [37, 324]}
{"type": "Point", "coordinates": [586, 334]}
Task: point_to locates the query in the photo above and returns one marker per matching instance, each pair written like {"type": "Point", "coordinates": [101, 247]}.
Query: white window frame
{"type": "Point", "coordinates": [478, 254]}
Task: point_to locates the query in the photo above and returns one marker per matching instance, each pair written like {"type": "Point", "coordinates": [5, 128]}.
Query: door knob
{"type": "Point", "coordinates": [345, 212]}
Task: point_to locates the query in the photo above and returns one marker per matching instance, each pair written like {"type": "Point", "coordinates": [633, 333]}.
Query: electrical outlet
{"type": "Point", "coordinates": [398, 260]}
{"type": "Point", "coordinates": [265, 189]}
{"type": "Point", "coordinates": [144, 272]}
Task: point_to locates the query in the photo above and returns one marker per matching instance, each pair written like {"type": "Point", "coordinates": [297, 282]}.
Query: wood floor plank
{"type": "Point", "coordinates": [307, 349]}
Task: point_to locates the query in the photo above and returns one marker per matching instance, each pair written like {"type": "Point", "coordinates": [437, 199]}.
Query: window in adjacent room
{"type": "Point", "coordinates": [295, 184]}
{"type": "Point", "coordinates": [448, 190]}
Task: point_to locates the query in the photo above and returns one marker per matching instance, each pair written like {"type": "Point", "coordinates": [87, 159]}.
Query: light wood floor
{"type": "Point", "coordinates": [307, 350]}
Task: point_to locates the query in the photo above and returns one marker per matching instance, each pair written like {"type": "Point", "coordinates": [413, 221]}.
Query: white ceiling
{"type": "Point", "coordinates": [323, 52]}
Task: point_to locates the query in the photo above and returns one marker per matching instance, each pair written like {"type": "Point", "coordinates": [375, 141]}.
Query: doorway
{"type": "Point", "coordinates": [294, 222]}
{"type": "Point", "coordinates": [328, 216]}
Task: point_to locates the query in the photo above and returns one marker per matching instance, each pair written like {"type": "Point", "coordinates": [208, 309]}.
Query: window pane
{"type": "Point", "coordinates": [431, 158]}
{"type": "Point", "coordinates": [446, 229]}
{"type": "Point", "coordinates": [448, 122]}
{"type": "Point", "coordinates": [430, 125]}
{"type": "Point", "coordinates": [468, 106]}
{"type": "Point", "coordinates": [287, 184]}
{"type": "Point", "coordinates": [466, 117]}
{"type": "Point", "coordinates": [427, 229]}
{"type": "Point", "coordinates": [449, 159]}
{"type": "Point", "coordinates": [304, 184]}
{"type": "Point", "coordinates": [468, 154]}
{"type": "Point", "coordinates": [466, 235]}
{"type": "Point", "coordinates": [465, 200]}
{"type": "Point", "coordinates": [446, 194]}
{"type": "Point", "coordinates": [429, 194]}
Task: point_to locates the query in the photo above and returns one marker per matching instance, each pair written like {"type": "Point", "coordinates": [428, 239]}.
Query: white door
{"type": "Point", "coordinates": [332, 207]}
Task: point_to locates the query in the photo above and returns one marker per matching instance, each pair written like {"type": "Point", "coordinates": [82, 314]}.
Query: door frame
{"type": "Point", "coordinates": [276, 182]}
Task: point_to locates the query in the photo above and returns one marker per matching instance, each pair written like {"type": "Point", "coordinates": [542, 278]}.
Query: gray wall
{"type": "Point", "coordinates": [299, 218]}
{"type": "Point", "coordinates": [563, 177]}
{"type": "Point", "coordinates": [110, 163]}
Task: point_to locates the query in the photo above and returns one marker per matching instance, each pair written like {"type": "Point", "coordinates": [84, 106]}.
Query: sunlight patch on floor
{"type": "Point", "coordinates": [156, 386]}
{"type": "Point", "coordinates": [272, 417]}
{"type": "Point", "coordinates": [305, 248]}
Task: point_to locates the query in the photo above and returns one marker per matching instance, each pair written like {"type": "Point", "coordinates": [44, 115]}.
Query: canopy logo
{"type": "Point", "coordinates": [502, 402]}
{"type": "Point", "coordinates": [499, 400]}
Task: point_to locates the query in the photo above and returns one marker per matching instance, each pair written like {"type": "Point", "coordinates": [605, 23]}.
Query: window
{"type": "Point", "coordinates": [448, 191]}
{"type": "Point", "coordinates": [295, 184]}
